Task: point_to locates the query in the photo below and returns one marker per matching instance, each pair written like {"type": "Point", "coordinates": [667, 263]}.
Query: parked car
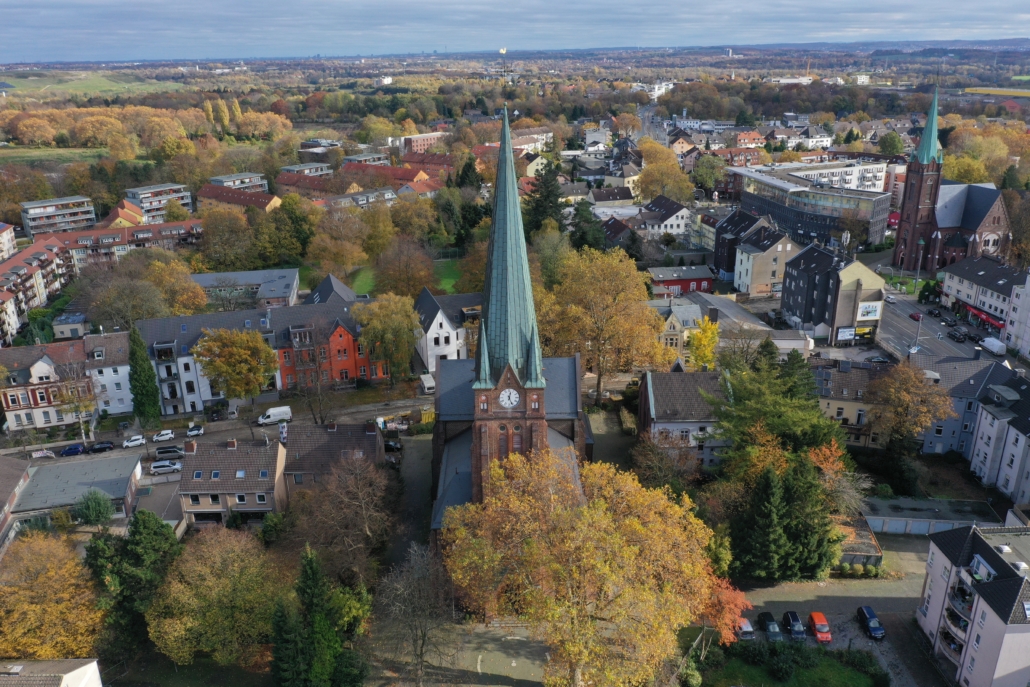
{"type": "Point", "coordinates": [744, 629]}
{"type": "Point", "coordinates": [949, 320]}
{"type": "Point", "coordinates": [975, 337]}
{"type": "Point", "coordinates": [957, 336]}
{"type": "Point", "coordinates": [138, 440]}
{"type": "Point", "coordinates": [870, 623]}
{"type": "Point", "coordinates": [73, 450]}
{"type": "Point", "coordinates": [767, 622]}
{"type": "Point", "coordinates": [161, 467]}
{"type": "Point", "coordinates": [819, 627]}
{"type": "Point", "coordinates": [890, 299]}
{"type": "Point", "coordinates": [164, 435]}
{"type": "Point", "coordinates": [170, 452]}
{"type": "Point", "coordinates": [792, 624]}
{"type": "Point", "coordinates": [215, 416]}
{"type": "Point", "coordinates": [933, 312]}
{"type": "Point", "coordinates": [877, 359]}
{"type": "Point", "coordinates": [393, 446]}
{"type": "Point", "coordinates": [101, 446]}
{"type": "Point", "coordinates": [195, 431]}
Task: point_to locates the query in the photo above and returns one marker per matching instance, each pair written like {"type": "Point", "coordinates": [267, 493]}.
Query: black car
{"type": "Point", "coordinates": [767, 623]}
{"type": "Point", "coordinates": [393, 446]}
{"type": "Point", "coordinates": [975, 337]}
{"type": "Point", "coordinates": [101, 446]}
{"type": "Point", "coordinates": [957, 336]}
{"type": "Point", "coordinates": [878, 359]}
{"type": "Point", "coordinates": [870, 623]}
{"type": "Point", "coordinates": [949, 320]}
{"type": "Point", "coordinates": [792, 624]}
{"type": "Point", "coordinates": [933, 312]}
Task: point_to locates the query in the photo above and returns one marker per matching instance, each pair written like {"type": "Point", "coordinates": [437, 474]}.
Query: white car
{"type": "Point", "coordinates": [164, 435]}
{"type": "Point", "coordinates": [138, 440]}
{"type": "Point", "coordinates": [161, 467]}
{"type": "Point", "coordinates": [195, 431]}
{"type": "Point", "coordinates": [890, 299]}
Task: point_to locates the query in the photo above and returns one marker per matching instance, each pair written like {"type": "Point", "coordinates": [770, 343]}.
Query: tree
{"type": "Point", "coordinates": [708, 171]}
{"type": "Point", "coordinates": [469, 176]}
{"type": "Point", "coordinates": [413, 216]}
{"type": "Point", "coordinates": [380, 230]}
{"type": "Point", "coordinates": [702, 344]}
{"type": "Point", "coordinates": [227, 240]}
{"type": "Point", "coordinates": [627, 123]}
{"type": "Point", "coordinates": [759, 543]}
{"type": "Point", "coordinates": [221, 113]}
{"type": "Point", "coordinates": [665, 461]}
{"type": "Point", "coordinates": [238, 363]}
{"type": "Point", "coordinates": [606, 573]}
{"type": "Point", "coordinates": [182, 295]}
{"type": "Point", "coordinates": [94, 508]}
{"type": "Point", "coordinates": [662, 175]}
{"type": "Point", "coordinates": [219, 597]}
{"type": "Point", "coordinates": [129, 570]}
{"type": "Point", "coordinates": [48, 604]}
{"type": "Point", "coordinates": [405, 269]}
{"type": "Point", "coordinates": [388, 328]}
{"type": "Point", "coordinates": [790, 156]}
{"type": "Point", "coordinates": [814, 540]}
{"type": "Point", "coordinates": [146, 398]}
{"type": "Point", "coordinates": [745, 118]}
{"type": "Point", "coordinates": [275, 240]}
{"type": "Point", "coordinates": [586, 228]}
{"type": "Point", "coordinates": [302, 217]}
{"type": "Point", "coordinates": [472, 268]}
{"type": "Point", "coordinates": [891, 144]}
{"type": "Point", "coordinates": [552, 249]}
{"type": "Point", "coordinates": [290, 647]}
{"type": "Point", "coordinates": [768, 353]}
{"type": "Point", "coordinates": [797, 374]}
{"type": "Point", "coordinates": [1011, 179]}
{"type": "Point", "coordinates": [544, 201]}
{"type": "Point", "coordinates": [599, 309]}
{"type": "Point", "coordinates": [175, 212]}
{"type": "Point", "coordinates": [905, 404]}
{"type": "Point", "coordinates": [414, 603]}
{"type": "Point", "coordinates": [121, 302]}
{"type": "Point", "coordinates": [964, 169]}
{"type": "Point", "coordinates": [36, 132]}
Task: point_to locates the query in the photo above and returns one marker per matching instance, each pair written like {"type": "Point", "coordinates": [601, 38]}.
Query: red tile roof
{"type": "Point", "coordinates": [223, 194]}
{"type": "Point", "coordinates": [305, 181]}
{"type": "Point", "coordinates": [395, 173]}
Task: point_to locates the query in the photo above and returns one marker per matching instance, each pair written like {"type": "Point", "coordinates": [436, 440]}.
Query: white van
{"type": "Point", "coordinates": [428, 384]}
{"type": "Point", "coordinates": [274, 416]}
{"type": "Point", "coordinates": [993, 345]}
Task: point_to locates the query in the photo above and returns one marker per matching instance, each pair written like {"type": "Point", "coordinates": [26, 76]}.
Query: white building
{"type": "Point", "coordinates": [65, 672]}
{"type": "Point", "coordinates": [107, 364]}
{"type": "Point", "coordinates": [8, 244]}
{"type": "Point", "coordinates": [981, 289]}
{"type": "Point", "coordinates": [443, 319]}
{"type": "Point", "coordinates": [673, 409]}
{"type": "Point", "coordinates": [858, 175]}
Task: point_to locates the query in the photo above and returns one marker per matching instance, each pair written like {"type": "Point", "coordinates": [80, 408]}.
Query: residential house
{"type": "Point", "coordinates": [669, 217]}
{"type": "Point", "coordinates": [332, 290]}
{"type": "Point", "coordinates": [683, 279]}
{"type": "Point", "coordinates": [445, 322]}
{"type": "Point", "coordinates": [728, 233]}
{"type": "Point", "coordinates": [313, 451]}
{"type": "Point", "coordinates": [244, 478]}
{"type": "Point", "coordinates": [610, 197]}
{"type": "Point", "coordinates": [842, 387]}
{"type": "Point", "coordinates": [55, 215]}
{"type": "Point", "coordinates": [98, 246]}
{"type": "Point", "coordinates": [737, 157]}
{"type": "Point", "coordinates": [66, 672]}
{"type": "Point", "coordinates": [749, 139]}
{"type": "Point", "coordinates": [673, 409]}
{"type": "Point", "coordinates": [307, 185]}
{"type": "Point", "coordinates": [397, 175]}
{"type": "Point", "coordinates": [999, 454]}
{"type": "Point", "coordinates": [980, 289]}
{"type": "Point", "coordinates": [377, 159]}
{"type": "Point", "coordinates": [244, 181]}
{"type": "Point", "coordinates": [624, 175]}
{"type": "Point", "coordinates": [70, 325]}
{"type": "Point", "coordinates": [152, 200]}
{"type": "Point", "coordinates": [574, 192]}
{"type": "Point", "coordinates": [276, 288]}
{"type": "Point", "coordinates": [433, 164]}
{"type": "Point", "coordinates": [107, 364]}
{"type": "Point", "coordinates": [41, 379]}
{"type": "Point", "coordinates": [314, 169]}
{"type": "Point", "coordinates": [816, 137]}
{"type": "Point", "coordinates": [682, 319]}
{"type": "Point", "coordinates": [975, 605]}
{"type": "Point", "coordinates": [220, 197]}
{"type": "Point", "coordinates": [832, 296]}
{"type": "Point", "coordinates": [8, 243]}
{"type": "Point", "coordinates": [124, 214]}
{"type": "Point", "coordinates": [616, 232]}
{"type": "Point", "coordinates": [762, 256]}
{"type": "Point", "coordinates": [535, 163]}
{"type": "Point", "coordinates": [423, 189]}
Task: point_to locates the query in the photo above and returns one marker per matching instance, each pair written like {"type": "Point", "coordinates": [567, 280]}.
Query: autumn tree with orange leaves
{"type": "Point", "coordinates": [905, 404]}
{"type": "Point", "coordinates": [604, 570]}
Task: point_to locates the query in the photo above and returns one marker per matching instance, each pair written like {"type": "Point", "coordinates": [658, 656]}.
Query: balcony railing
{"type": "Point", "coordinates": [964, 607]}
{"type": "Point", "coordinates": [950, 647]}
{"type": "Point", "coordinates": [956, 623]}
{"type": "Point", "coordinates": [165, 376]}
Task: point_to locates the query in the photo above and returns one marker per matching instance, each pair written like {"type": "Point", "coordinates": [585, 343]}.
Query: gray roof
{"type": "Point", "coordinates": [331, 288]}
{"type": "Point", "coordinates": [844, 379]}
{"type": "Point", "coordinates": [427, 306]}
{"type": "Point", "coordinates": [62, 484]}
{"type": "Point", "coordinates": [239, 469]}
{"type": "Point", "coordinates": [815, 259]}
{"type": "Point", "coordinates": [607, 195]}
{"type": "Point", "coordinates": [578, 188]}
{"type": "Point", "coordinates": [682, 272]}
{"type": "Point", "coordinates": [676, 396]}
{"type": "Point", "coordinates": [316, 448]}
{"type": "Point", "coordinates": [54, 201]}
{"type": "Point", "coordinates": [738, 223]}
{"type": "Point", "coordinates": [155, 187]}
{"type": "Point", "coordinates": [964, 377]}
{"type": "Point", "coordinates": [271, 283]}
{"type": "Point", "coordinates": [70, 318]}
{"type": "Point", "coordinates": [19, 359]}
{"type": "Point", "coordinates": [964, 205]}
{"type": "Point", "coordinates": [39, 673]}
{"type": "Point", "coordinates": [760, 240]}
{"type": "Point", "coordinates": [666, 207]}
{"type": "Point", "coordinates": [237, 177]}
{"type": "Point", "coordinates": [115, 347]}
{"type": "Point", "coordinates": [11, 471]}
{"type": "Point", "coordinates": [456, 396]}
{"type": "Point", "coordinates": [988, 273]}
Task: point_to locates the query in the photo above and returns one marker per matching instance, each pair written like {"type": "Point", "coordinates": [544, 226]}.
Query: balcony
{"type": "Point", "coordinates": [956, 624]}
{"type": "Point", "coordinates": [949, 646]}
{"type": "Point", "coordinates": [166, 376]}
{"type": "Point", "coordinates": [962, 602]}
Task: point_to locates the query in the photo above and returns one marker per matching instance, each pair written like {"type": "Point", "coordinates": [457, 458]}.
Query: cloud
{"type": "Point", "coordinates": [53, 30]}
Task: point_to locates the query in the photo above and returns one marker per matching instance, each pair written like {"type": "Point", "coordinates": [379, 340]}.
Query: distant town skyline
{"type": "Point", "coordinates": [117, 30]}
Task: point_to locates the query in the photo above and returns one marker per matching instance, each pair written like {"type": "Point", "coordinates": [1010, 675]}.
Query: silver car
{"type": "Point", "coordinates": [161, 467]}
{"type": "Point", "coordinates": [164, 435]}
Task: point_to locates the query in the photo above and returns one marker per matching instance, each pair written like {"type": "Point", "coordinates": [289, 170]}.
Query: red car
{"type": "Point", "coordinates": [818, 626]}
{"type": "Point", "coordinates": [916, 316]}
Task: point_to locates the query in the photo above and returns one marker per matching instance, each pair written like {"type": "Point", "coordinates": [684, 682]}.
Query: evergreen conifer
{"type": "Point", "coordinates": [146, 397]}
{"type": "Point", "coordinates": [813, 541]}
{"type": "Point", "coordinates": [759, 543]}
{"type": "Point", "coordinates": [544, 201]}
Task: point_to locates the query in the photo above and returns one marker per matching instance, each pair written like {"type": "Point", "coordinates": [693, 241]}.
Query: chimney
{"type": "Point", "coordinates": [231, 445]}
{"type": "Point", "coordinates": [189, 448]}
{"type": "Point", "coordinates": [713, 314]}
{"type": "Point", "coordinates": [977, 352]}
{"type": "Point", "coordinates": [1020, 372]}
{"type": "Point", "coordinates": [332, 427]}
{"type": "Point", "coordinates": [370, 427]}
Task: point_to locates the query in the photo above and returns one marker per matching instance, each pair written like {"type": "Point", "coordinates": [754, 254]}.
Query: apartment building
{"type": "Point", "coordinates": [43, 380]}
{"type": "Point", "coordinates": [377, 159]}
{"type": "Point", "coordinates": [221, 197]}
{"type": "Point", "coordinates": [107, 364]}
{"type": "Point", "coordinates": [315, 451]}
{"type": "Point", "coordinates": [975, 606]}
{"type": "Point", "coordinates": [307, 185]}
{"type": "Point", "coordinates": [28, 280]}
{"type": "Point", "coordinates": [762, 257]}
{"type": "Point", "coordinates": [251, 289]}
{"type": "Point", "coordinates": [664, 215]}
{"type": "Point", "coordinates": [728, 232]}
{"type": "Point", "coordinates": [106, 246]}
{"type": "Point", "coordinates": [842, 389]}
{"type": "Point", "coordinates": [56, 215]}
{"type": "Point", "coordinates": [314, 169]}
{"type": "Point", "coordinates": [981, 290]}
{"type": "Point", "coordinates": [999, 455]}
{"type": "Point", "coordinates": [831, 296]}
{"type": "Point", "coordinates": [8, 244]}
{"type": "Point", "coordinates": [444, 321]}
{"type": "Point", "coordinates": [243, 478]}
{"type": "Point", "coordinates": [152, 200]}
{"type": "Point", "coordinates": [244, 181]}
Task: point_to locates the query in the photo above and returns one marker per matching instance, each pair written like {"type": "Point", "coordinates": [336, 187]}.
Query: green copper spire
{"type": "Point", "coordinates": [508, 325]}
{"type": "Point", "coordinates": [929, 149]}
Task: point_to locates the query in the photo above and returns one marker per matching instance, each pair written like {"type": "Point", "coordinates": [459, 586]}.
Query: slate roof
{"type": "Point", "coordinates": [305, 181]}
{"type": "Point", "coordinates": [456, 396]}
{"type": "Point", "coordinates": [427, 306]}
{"type": "Point", "coordinates": [11, 471]}
{"type": "Point", "coordinates": [814, 259]}
{"type": "Point", "coordinates": [278, 283]}
{"type": "Point", "coordinates": [988, 273]}
{"type": "Point", "coordinates": [964, 205]}
{"type": "Point", "coordinates": [62, 484]}
{"type": "Point", "coordinates": [576, 189]}
{"type": "Point", "coordinates": [115, 346]}
{"type": "Point", "coordinates": [615, 229]}
{"type": "Point", "coordinates": [738, 223]}
{"type": "Point", "coordinates": [667, 207]}
{"type": "Point", "coordinates": [239, 469]}
{"type": "Point", "coordinates": [957, 373]}
{"type": "Point", "coordinates": [676, 396]}
{"type": "Point", "coordinates": [760, 240]}
{"type": "Point", "coordinates": [610, 195]}
{"type": "Point", "coordinates": [844, 379]}
{"type": "Point", "coordinates": [18, 359]}
{"type": "Point", "coordinates": [330, 289]}
{"type": "Point", "coordinates": [682, 272]}
{"type": "Point", "coordinates": [316, 448]}
{"type": "Point", "coordinates": [39, 673]}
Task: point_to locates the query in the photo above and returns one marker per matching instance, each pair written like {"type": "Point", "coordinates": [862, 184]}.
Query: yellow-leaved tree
{"type": "Point", "coordinates": [238, 363]}
{"type": "Point", "coordinates": [702, 344]}
{"type": "Point", "coordinates": [905, 404]}
{"type": "Point", "coordinates": [605, 571]}
{"type": "Point", "coordinates": [182, 295]}
{"type": "Point", "coordinates": [48, 602]}
{"type": "Point", "coordinates": [662, 174]}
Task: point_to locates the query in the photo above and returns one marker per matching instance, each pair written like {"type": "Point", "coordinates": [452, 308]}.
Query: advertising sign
{"type": "Point", "coordinates": [870, 311]}
{"type": "Point", "coordinates": [846, 334]}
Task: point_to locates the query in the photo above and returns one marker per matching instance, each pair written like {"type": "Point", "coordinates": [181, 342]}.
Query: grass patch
{"type": "Point", "coordinates": [156, 670]}
{"type": "Point", "coordinates": [447, 273]}
{"type": "Point", "coordinates": [999, 91]}
{"type": "Point", "coordinates": [36, 81]}
{"type": "Point", "coordinates": [24, 155]}
{"type": "Point", "coordinates": [363, 280]}
{"type": "Point", "coordinates": [304, 273]}
{"type": "Point", "coordinates": [828, 673]}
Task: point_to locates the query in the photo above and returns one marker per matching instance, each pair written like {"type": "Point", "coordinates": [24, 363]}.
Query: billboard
{"type": "Point", "coordinates": [845, 334]}
{"type": "Point", "coordinates": [870, 311]}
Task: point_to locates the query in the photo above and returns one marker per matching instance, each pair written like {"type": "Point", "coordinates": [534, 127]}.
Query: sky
{"type": "Point", "coordinates": [73, 30]}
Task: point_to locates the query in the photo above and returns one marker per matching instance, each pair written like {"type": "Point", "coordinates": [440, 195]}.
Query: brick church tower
{"type": "Point", "coordinates": [919, 242]}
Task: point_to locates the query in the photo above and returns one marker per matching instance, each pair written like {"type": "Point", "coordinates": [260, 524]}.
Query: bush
{"type": "Point", "coordinates": [94, 508]}
{"type": "Point", "coordinates": [864, 662]}
{"type": "Point", "coordinates": [690, 676]}
{"type": "Point", "coordinates": [752, 653]}
{"type": "Point", "coordinates": [781, 667]}
{"type": "Point", "coordinates": [421, 428]}
{"type": "Point", "coordinates": [61, 519]}
{"type": "Point", "coordinates": [629, 423]}
{"type": "Point", "coordinates": [272, 527]}
{"type": "Point", "coordinates": [845, 569]}
{"type": "Point", "coordinates": [884, 491]}
{"type": "Point", "coordinates": [715, 658]}
{"type": "Point", "coordinates": [872, 571]}
{"type": "Point", "coordinates": [362, 383]}
{"type": "Point", "coordinates": [235, 521]}
{"type": "Point", "coordinates": [857, 570]}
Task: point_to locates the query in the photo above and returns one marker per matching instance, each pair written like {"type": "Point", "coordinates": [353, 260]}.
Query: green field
{"type": "Point", "coordinates": [1021, 78]}
{"type": "Point", "coordinates": [33, 81]}
{"type": "Point", "coordinates": [364, 280]}
{"type": "Point", "coordinates": [828, 673]}
{"type": "Point", "coordinates": [23, 155]}
{"type": "Point", "coordinates": [447, 272]}
{"type": "Point", "coordinates": [999, 91]}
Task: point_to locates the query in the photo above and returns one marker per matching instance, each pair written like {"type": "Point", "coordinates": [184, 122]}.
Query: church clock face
{"type": "Point", "coordinates": [509, 398]}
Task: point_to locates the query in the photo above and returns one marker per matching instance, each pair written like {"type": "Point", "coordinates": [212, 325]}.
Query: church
{"type": "Point", "coordinates": [944, 221]}
{"type": "Point", "coordinates": [509, 398]}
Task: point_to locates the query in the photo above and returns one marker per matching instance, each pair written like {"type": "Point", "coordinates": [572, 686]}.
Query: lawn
{"type": "Point", "coordinates": [23, 155]}
{"type": "Point", "coordinates": [828, 673]}
{"type": "Point", "coordinates": [364, 280]}
{"type": "Point", "coordinates": [34, 81]}
{"type": "Point", "coordinates": [447, 272]}
{"type": "Point", "coordinates": [156, 670]}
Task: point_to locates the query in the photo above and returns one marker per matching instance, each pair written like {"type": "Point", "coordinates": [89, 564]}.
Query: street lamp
{"type": "Point", "coordinates": [919, 263]}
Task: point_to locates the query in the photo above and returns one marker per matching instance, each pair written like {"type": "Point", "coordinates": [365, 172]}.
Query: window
{"type": "Point", "coordinates": [260, 498]}
{"type": "Point", "coordinates": [286, 357]}
{"type": "Point", "coordinates": [298, 478]}
{"type": "Point", "coordinates": [289, 379]}
{"type": "Point", "coordinates": [100, 372]}
{"type": "Point", "coordinates": [345, 356]}
{"type": "Point", "coordinates": [185, 367]}
{"type": "Point", "coordinates": [361, 350]}
{"type": "Point", "coordinates": [246, 323]}
{"type": "Point", "coordinates": [362, 372]}
{"type": "Point", "coordinates": [118, 386]}
{"type": "Point", "coordinates": [263, 474]}
{"type": "Point", "coordinates": [840, 413]}
{"type": "Point", "coordinates": [860, 416]}
{"type": "Point", "coordinates": [436, 340]}
{"type": "Point", "coordinates": [965, 426]}
{"type": "Point", "coordinates": [24, 398]}
{"type": "Point", "coordinates": [969, 405]}
{"type": "Point", "coordinates": [41, 396]}
{"type": "Point", "coordinates": [215, 500]}
{"type": "Point", "coordinates": [983, 617]}
{"type": "Point", "coordinates": [46, 417]}
{"type": "Point", "coordinates": [197, 474]}
{"type": "Point", "coordinates": [184, 349]}
{"type": "Point", "coordinates": [345, 375]}
{"type": "Point", "coordinates": [215, 474]}
{"type": "Point", "coordinates": [325, 375]}
{"type": "Point", "coordinates": [190, 387]}
{"type": "Point", "coordinates": [240, 474]}
{"type": "Point", "coordinates": [938, 430]}
{"type": "Point", "coordinates": [375, 370]}
{"type": "Point", "coordinates": [972, 662]}
{"type": "Point", "coordinates": [241, 498]}
{"type": "Point", "coordinates": [194, 499]}
{"type": "Point", "coordinates": [103, 387]}
{"type": "Point", "coordinates": [182, 328]}
{"type": "Point", "coordinates": [976, 642]}
{"type": "Point", "coordinates": [945, 573]}
{"type": "Point", "coordinates": [929, 561]}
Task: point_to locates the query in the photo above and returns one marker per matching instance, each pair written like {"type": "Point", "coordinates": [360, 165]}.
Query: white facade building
{"type": "Point", "coordinates": [443, 319]}
{"type": "Point", "coordinates": [107, 364]}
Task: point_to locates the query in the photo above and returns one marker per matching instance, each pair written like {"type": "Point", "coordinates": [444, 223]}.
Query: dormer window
{"type": "Point", "coordinates": [98, 354]}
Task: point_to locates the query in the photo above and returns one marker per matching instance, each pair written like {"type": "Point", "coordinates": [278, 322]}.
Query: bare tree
{"type": "Point", "coordinates": [76, 394]}
{"type": "Point", "coordinates": [414, 603]}
{"type": "Point", "coordinates": [665, 460]}
{"type": "Point", "coordinates": [228, 295]}
{"type": "Point", "coordinates": [738, 345]}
